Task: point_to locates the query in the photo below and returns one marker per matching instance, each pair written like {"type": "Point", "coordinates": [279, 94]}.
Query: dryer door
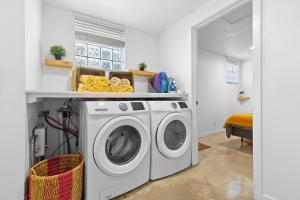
{"type": "Point", "coordinates": [173, 135]}
{"type": "Point", "coordinates": [121, 145]}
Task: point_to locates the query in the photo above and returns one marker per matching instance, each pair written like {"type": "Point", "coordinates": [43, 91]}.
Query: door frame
{"type": "Point", "coordinates": [257, 79]}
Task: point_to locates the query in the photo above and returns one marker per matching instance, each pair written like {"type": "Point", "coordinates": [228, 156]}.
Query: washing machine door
{"type": "Point", "coordinates": [121, 145]}
{"type": "Point", "coordinates": [173, 135]}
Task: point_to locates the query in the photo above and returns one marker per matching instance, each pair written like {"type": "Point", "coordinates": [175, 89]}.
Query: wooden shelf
{"type": "Point", "coordinates": [243, 98]}
{"type": "Point", "coordinates": [142, 73]}
{"type": "Point", "coordinates": [59, 63]}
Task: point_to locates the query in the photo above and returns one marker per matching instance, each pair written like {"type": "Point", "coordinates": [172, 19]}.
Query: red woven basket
{"type": "Point", "coordinates": [58, 178]}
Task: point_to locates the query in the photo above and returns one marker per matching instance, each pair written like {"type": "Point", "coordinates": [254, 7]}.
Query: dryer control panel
{"type": "Point", "coordinates": [162, 106]}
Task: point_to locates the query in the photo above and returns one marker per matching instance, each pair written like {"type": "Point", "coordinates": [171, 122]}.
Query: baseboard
{"type": "Point", "coordinates": [203, 134]}
{"type": "Point", "coordinates": [267, 197]}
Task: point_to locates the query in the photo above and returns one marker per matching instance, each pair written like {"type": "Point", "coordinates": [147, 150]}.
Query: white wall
{"type": "Point", "coordinates": [217, 98]}
{"type": "Point", "coordinates": [141, 47]}
{"type": "Point", "coordinates": [33, 64]}
{"type": "Point", "coordinates": [246, 84]}
{"type": "Point", "coordinates": [58, 28]}
{"type": "Point", "coordinates": [12, 99]}
{"type": "Point", "coordinates": [174, 45]}
{"type": "Point", "coordinates": [281, 99]}
{"type": "Point", "coordinates": [33, 20]}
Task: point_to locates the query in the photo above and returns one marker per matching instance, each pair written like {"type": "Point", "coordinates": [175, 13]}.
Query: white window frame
{"type": "Point", "coordinates": [100, 58]}
{"type": "Point", "coordinates": [102, 34]}
{"type": "Point", "coordinates": [232, 71]}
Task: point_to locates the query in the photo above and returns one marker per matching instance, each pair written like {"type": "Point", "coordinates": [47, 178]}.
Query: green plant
{"type": "Point", "coordinates": [143, 66]}
{"type": "Point", "coordinates": [58, 51]}
{"type": "Point", "coordinates": [241, 93]}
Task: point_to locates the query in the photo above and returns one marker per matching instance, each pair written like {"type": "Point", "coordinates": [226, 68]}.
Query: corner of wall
{"type": "Point", "coordinates": [33, 32]}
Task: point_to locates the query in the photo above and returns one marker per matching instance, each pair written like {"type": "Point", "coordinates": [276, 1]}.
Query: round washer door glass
{"type": "Point", "coordinates": [173, 135]}
{"type": "Point", "coordinates": [121, 145]}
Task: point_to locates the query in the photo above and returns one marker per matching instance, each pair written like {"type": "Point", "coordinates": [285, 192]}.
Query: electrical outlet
{"type": "Point", "coordinates": [40, 139]}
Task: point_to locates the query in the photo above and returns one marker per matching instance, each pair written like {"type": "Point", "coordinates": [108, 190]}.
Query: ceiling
{"type": "Point", "coordinates": [229, 36]}
{"type": "Point", "coordinates": [153, 16]}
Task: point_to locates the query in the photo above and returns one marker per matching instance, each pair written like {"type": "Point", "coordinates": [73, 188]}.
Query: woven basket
{"type": "Point", "coordinates": [120, 75]}
{"type": "Point", "coordinates": [57, 178]}
{"type": "Point", "coordinates": [76, 72]}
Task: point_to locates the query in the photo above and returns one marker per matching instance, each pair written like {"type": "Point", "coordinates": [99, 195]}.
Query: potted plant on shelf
{"type": "Point", "coordinates": [241, 93]}
{"type": "Point", "coordinates": [58, 51]}
{"type": "Point", "coordinates": [142, 66]}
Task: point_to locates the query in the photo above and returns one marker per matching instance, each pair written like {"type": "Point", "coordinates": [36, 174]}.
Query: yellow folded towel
{"type": "Point", "coordinates": [126, 88]}
{"type": "Point", "coordinates": [85, 88]}
{"type": "Point", "coordinates": [90, 83]}
{"type": "Point", "coordinates": [124, 82]}
{"type": "Point", "coordinates": [114, 81]}
{"type": "Point", "coordinates": [109, 89]}
{"type": "Point", "coordinates": [86, 79]}
{"type": "Point", "coordinates": [120, 85]}
{"type": "Point", "coordinates": [94, 80]}
{"type": "Point", "coordinates": [99, 88]}
{"type": "Point", "coordinates": [93, 83]}
{"type": "Point", "coordinates": [101, 81]}
{"type": "Point", "coordinates": [123, 89]}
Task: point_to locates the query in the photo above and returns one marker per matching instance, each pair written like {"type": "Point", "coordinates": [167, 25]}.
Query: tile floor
{"type": "Point", "coordinates": [223, 173]}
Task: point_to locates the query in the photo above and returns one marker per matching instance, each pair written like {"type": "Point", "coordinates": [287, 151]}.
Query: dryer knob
{"type": "Point", "coordinates": [123, 106]}
{"type": "Point", "coordinates": [174, 105]}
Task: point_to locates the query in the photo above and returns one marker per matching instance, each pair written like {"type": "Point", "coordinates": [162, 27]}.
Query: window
{"type": "Point", "coordinates": [232, 71]}
{"type": "Point", "coordinates": [95, 55]}
{"type": "Point", "coordinates": [99, 44]}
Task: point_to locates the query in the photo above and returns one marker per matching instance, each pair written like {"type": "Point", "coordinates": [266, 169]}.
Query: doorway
{"type": "Point", "coordinates": [239, 46]}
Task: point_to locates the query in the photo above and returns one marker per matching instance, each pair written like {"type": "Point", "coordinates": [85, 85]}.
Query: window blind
{"type": "Point", "coordinates": [99, 31]}
{"type": "Point", "coordinates": [232, 60]}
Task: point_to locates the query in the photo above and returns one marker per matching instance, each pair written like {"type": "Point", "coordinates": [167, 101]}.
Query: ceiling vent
{"type": "Point", "coordinates": [239, 14]}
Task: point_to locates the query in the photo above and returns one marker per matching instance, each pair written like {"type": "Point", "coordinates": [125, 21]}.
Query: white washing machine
{"type": "Point", "coordinates": [115, 142]}
{"type": "Point", "coordinates": [171, 137]}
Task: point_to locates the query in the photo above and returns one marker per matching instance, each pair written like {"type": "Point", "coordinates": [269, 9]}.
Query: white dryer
{"type": "Point", "coordinates": [115, 142]}
{"type": "Point", "coordinates": [171, 137]}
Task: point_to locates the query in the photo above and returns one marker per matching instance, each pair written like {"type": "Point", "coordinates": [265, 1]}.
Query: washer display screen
{"type": "Point", "coordinates": [175, 135]}
{"type": "Point", "coordinates": [122, 145]}
{"type": "Point", "coordinates": [137, 106]}
{"type": "Point", "coordinates": [183, 105]}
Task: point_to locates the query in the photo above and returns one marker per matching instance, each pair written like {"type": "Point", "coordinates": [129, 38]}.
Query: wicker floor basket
{"type": "Point", "coordinates": [57, 178]}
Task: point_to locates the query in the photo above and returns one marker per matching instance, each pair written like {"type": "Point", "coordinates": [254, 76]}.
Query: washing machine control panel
{"type": "Point", "coordinates": [137, 106]}
{"type": "Point", "coordinates": [123, 106]}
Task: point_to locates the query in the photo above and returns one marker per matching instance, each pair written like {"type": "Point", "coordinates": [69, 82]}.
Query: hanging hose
{"type": "Point", "coordinates": [67, 111]}
{"type": "Point", "coordinates": [62, 126]}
